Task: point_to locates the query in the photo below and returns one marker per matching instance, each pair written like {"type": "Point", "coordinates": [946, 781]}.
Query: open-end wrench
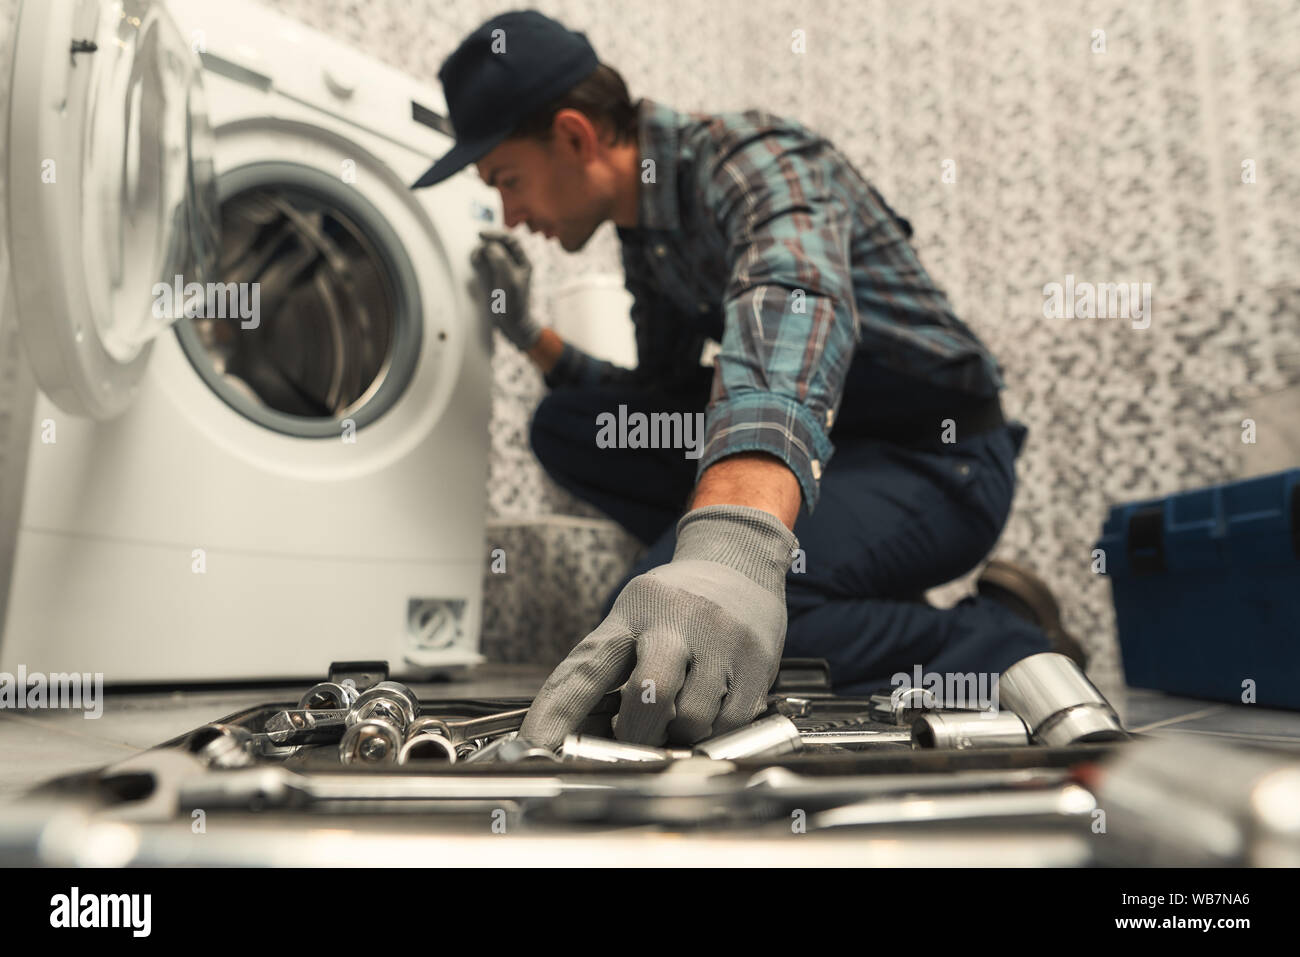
{"type": "Point", "coordinates": [467, 729]}
{"type": "Point", "coordinates": [492, 725]}
{"type": "Point", "coordinates": [302, 726]}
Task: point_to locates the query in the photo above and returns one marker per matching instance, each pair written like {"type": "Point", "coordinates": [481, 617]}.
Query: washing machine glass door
{"type": "Point", "coordinates": [112, 198]}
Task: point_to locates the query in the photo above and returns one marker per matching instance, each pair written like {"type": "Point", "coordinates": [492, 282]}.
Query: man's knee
{"type": "Point", "coordinates": [563, 428]}
{"type": "Point", "coordinates": [547, 429]}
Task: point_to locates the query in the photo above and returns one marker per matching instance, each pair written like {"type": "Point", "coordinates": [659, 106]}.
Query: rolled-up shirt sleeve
{"type": "Point", "coordinates": [790, 320]}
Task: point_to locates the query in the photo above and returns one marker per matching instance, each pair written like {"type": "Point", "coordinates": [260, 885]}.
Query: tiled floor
{"type": "Point", "coordinates": [38, 745]}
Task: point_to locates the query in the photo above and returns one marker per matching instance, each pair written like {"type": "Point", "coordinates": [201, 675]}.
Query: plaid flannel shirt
{"type": "Point", "coordinates": [757, 233]}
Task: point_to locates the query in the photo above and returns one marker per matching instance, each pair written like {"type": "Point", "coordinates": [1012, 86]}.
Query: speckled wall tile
{"type": "Point", "coordinates": [557, 574]}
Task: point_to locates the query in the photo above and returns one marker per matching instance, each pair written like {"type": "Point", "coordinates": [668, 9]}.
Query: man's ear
{"type": "Point", "coordinates": [575, 131]}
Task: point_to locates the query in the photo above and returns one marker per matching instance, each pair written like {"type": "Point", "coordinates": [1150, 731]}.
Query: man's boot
{"type": "Point", "coordinates": [1020, 590]}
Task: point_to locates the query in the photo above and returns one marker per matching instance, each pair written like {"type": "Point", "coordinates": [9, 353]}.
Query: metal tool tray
{"type": "Point", "coordinates": [622, 800]}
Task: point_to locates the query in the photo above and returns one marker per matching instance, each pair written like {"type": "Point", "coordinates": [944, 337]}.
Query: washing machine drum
{"type": "Point", "coordinates": [326, 309]}
{"type": "Point", "coordinates": [334, 328]}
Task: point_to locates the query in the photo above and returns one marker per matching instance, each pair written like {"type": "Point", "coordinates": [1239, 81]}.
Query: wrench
{"type": "Point", "coordinates": [182, 782]}
{"type": "Point", "coordinates": [467, 729]}
{"type": "Point", "coordinates": [301, 726]}
{"type": "Point", "coordinates": [1061, 801]}
{"type": "Point", "coordinates": [459, 732]}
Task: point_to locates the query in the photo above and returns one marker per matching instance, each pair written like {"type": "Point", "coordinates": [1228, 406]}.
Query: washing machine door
{"type": "Point", "coordinates": [112, 198]}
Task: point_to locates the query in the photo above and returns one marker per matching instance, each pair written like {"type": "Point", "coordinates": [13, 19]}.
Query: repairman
{"type": "Point", "coordinates": [753, 231]}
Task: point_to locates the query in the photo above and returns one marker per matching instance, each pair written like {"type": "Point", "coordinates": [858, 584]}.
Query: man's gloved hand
{"type": "Point", "coordinates": [707, 629]}
{"type": "Point", "coordinates": [501, 264]}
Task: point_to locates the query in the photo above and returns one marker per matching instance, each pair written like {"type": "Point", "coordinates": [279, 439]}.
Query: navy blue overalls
{"type": "Point", "coordinates": [899, 513]}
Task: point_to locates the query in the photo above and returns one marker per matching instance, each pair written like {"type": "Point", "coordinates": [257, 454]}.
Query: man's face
{"type": "Point", "coordinates": [554, 187]}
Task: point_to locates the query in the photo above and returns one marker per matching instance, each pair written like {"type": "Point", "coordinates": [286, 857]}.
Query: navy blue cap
{"type": "Point", "coordinates": [494, 80]}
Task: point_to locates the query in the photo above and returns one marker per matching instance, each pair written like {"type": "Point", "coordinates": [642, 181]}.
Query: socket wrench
{"type": "Point", "coordinates": [1057, 702]}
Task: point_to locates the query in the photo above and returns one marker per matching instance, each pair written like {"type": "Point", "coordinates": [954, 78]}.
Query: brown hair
{"type": "Point", "coordinates": [602, 96]}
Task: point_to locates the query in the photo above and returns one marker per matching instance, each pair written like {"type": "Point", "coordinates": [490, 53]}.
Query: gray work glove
{"type": "Point", "coordinates": [707, 629]}
{"type": "Point", "coordinates": [501, 264]}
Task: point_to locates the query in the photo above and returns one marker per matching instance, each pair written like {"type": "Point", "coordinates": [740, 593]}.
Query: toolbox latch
{"type": "Point", "coordinates": [803, 674]}
{"type": "Point", "coordinates": [1146, 541]}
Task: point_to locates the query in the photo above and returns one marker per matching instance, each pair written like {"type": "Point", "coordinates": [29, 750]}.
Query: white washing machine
{"type": "Point", "coordinates": [294, 470]}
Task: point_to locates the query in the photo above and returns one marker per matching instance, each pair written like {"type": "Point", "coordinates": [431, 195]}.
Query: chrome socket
{"type": "Point", "coordinates": [222, 746]}
{"type": "Point", "coordinates": [585, 747]}
{"type": "Point", "coordinates": [329, 696]}
{"type": "Point", "coordinates": [428, 742]}
{"type": "Point", "coordinates": [372, 741]}
{"type": "Point", "coordinates": [427, 748]}
{"type": "Point", "coordinates": [965, 730]}
{"type": "Point", "coordinates": [388, 701]}
{"type": "Point", "coordinates": [766, 737]}
{"type": "Point", "coordinates": [1057, 702]}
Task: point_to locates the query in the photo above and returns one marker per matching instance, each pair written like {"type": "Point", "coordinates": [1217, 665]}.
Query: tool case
{"type": "Point", "coordinates": [1206, 585]}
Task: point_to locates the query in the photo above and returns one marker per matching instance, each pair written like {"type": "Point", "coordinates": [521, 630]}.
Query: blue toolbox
{"type": "Point", "coordinates": [1206, 586]}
